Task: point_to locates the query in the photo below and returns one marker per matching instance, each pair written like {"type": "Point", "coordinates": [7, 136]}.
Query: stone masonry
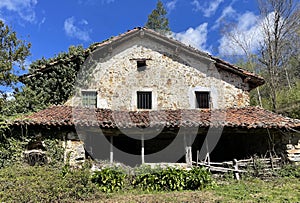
{"type": "Point", "coordinates": [116, 79]}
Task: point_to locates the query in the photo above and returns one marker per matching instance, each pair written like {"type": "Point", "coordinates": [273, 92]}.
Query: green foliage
{"type": "Point", "coordinates": [13, 53]}
{"type": "Point", "coordinates": [55, 83]}
{"type": "Point", "coordinates": [11, 151]}
{"type": "Point", "coordinates": [289, 171]}
{"type": "Point", "coordinates": [289, 101]}
{"type": "Point", "coordinates": [109, 179]}
{"type": "Point", "coordinates": [198, 178]}
{"type": "Point", "coordinates": [172, 179]}
{"type": "Point", "coordinates": [157, 20]}
{"type": "Point", "coordinates": [3, 127]}
{"type": "Point", "coordinates": [55, 151]}
{"type": "Point", "coordinates": [50, 82]}
{"type": "Point", "coordinates": [22, 183]}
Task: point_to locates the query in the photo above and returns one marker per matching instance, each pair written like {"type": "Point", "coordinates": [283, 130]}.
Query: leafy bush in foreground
{"type": "Point", "coordinates": [109, 179]}
{"type": "Point", "coordinates": [173, 179]}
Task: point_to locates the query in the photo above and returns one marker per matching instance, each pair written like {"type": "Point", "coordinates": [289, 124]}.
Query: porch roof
{"type": "Point", "coordinates": [248, 117]}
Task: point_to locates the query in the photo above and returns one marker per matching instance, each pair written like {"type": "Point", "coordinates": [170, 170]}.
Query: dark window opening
{"type": "Point", "coordinates": [89, 98]}
{"type": "Point", "coordinates": [144, 100]}
{"type": "Point", "coordinates": [202, 100]}
{"type": "Point", "coordinates": [141, 63]}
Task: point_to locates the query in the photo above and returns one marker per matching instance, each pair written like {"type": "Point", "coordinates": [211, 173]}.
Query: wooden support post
{"type": "Point", "coordinates": [111, 151]}
{"type": "Point", "coordinates": [236, 168]}
{"type": "Point", "coordinates": [207, 159]}
{"type": "Point", "coordinates": [143, 149]}
{"type": "Point", "coordinates": [188, 151]}
{"type": "Point", "coordinates": [197, 157]}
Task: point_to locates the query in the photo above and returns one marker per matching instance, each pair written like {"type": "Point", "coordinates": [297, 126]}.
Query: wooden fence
{"type": "Point", "coordinates": [256, 166]}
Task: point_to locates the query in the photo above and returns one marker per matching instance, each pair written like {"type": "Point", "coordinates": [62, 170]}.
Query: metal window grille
{"type": "Point", "coordinates": [144, 100]}
{"type": "Point", "coordinates": [202, 100]}
{"type": "Point", "coordinates": [89, 98]}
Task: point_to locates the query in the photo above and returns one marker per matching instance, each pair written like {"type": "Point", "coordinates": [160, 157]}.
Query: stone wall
{"type": "Point", "coordinates": [172, 82]}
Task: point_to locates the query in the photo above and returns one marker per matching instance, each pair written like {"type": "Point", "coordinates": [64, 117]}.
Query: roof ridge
{"type": "Point", "coordinates": [256, 79]}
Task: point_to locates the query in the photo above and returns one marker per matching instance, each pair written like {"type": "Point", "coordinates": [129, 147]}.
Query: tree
{"type": "Point", "coordinates": [279, 27]}
{"type": "Point", "coordinates": [158, 21]}
{"type": "Point", "coordinates": [13, 53]}
{"type": "Point", "coordinates": [244, 42]}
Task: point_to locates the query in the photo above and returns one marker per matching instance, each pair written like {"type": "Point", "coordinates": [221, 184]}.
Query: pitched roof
{"type": "Point", "coordinates": [248, 117]}
{"type": "Point", "coordinates": [253, 79]}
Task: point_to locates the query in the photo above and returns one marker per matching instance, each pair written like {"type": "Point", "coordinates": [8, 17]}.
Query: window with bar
{"type": "Point", "coordinates": [202, 100]}
{"type": "Point", "coordinates": [89, 98]}
{"type": "Point", "coordinates": [144, 100]}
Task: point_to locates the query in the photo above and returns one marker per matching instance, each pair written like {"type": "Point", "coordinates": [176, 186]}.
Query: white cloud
{"type": "Point", "coordinates": [247, 34]}
{"type": "Point", "coordinates": [93, 2]}
{"type": "Point", "coordinates": [227, 12]}
{"type": "Point", "coordinates": [196, 4]}
{"type": "Point", "coordinates": [73, 30]}
{"type": "Point", "coordinates": [24, 8]}
{"type": "Point", "coordinates": [195, 37]}
{"type": "Point", "coordinates": [42, 22]}
{"type": "Point", "coordinates": [207, 9]}
{"type": "Point", "coordinates": [171, 5]}
{"type": "Point", "coordinates": [2, 19]}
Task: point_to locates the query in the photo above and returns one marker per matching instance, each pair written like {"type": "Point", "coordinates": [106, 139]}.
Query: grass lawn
{"type": "Point", "coordinates": [252, 190]}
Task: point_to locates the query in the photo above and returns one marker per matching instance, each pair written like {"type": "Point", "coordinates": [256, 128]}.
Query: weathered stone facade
{"type": "Point", "coordinates": [172, 79]}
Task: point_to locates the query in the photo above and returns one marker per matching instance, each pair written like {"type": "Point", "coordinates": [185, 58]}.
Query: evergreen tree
{"type": "Point", "coordinates": [13, 53]}
{"type": "Point", "coordinates": [158, 21]}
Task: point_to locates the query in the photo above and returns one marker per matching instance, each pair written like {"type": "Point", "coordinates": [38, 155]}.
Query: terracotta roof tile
{"type": "Point", "coordinates": [248, 117]}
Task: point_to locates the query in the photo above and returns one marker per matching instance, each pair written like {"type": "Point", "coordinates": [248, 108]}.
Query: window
{"type": "Point", "coordinates": [89, 98]}
{"type": "Point", "coordinates": [202, 100]}
{"type": "Point", "coordinates": [141, 63]}
{"type": "Point", "coordinates": [144, 100]}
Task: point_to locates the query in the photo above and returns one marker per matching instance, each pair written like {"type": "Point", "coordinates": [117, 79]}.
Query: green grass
{"type": "Point", "coordinates": [256, 190]}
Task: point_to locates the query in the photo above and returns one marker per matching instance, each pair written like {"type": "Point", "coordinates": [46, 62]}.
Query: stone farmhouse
{"type": "Point", "coordinates": [142, 97]}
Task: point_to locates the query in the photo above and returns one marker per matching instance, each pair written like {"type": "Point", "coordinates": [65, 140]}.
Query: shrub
{"type": "Point", "coordinates": [289, 170]}
{"type": "Point", "coordinates": [23, 183]}
{"type": "Point", "coordinates": [198, 178]}
{"type": "Point", "coordinates": [109, 179]}
{"type": "Point", "coordinates": [173, 179]}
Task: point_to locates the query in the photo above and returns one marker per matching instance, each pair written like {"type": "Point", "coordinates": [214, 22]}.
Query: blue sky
{"type": "Point", "coordinates": [52, 26]}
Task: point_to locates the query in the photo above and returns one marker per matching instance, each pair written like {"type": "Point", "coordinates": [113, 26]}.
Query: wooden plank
{"type": "Point", "coordinates": [221, 169]}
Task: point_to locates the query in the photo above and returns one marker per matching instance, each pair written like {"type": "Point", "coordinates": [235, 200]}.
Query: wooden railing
{"type": "Point", "coordinates": [255, 165]}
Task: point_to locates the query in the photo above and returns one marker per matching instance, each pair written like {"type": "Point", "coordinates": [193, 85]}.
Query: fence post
{"type": "Point", "coordinates": [236, 168]}
{"type": "Point", "coordinates": [271, 160]}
